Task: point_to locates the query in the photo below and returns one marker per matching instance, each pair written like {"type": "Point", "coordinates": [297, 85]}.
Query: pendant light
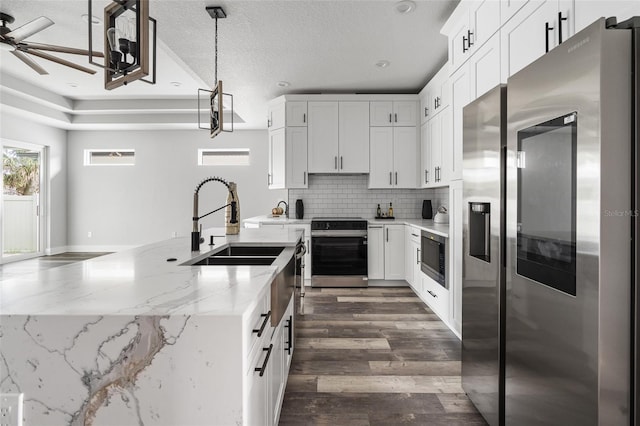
{"type": "Point", "coordinates": [216, 96]}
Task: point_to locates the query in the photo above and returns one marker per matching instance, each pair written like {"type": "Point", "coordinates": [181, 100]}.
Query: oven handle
{"type": "Point", "coordinates": [337, 233]}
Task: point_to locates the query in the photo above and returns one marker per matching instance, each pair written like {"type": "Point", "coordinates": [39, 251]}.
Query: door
{"type": "Point", "coordinates": [354, 137]}
{"type": "Point", "coordinates": [277, 152]}
{"type": "Point", "coordinates": [405, 160]}
{"type": "Point", "coordinates": [381, 157]}
{"type": "Point", "coordinates": [297, 157]}
{"type": "Point", "coordinates": [22, 224]}
{"type": "Point", "coordinates": [323, 137]}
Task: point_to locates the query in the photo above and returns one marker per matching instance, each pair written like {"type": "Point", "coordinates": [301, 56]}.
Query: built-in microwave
{"type": "Point", "coordinates": [433, 257]}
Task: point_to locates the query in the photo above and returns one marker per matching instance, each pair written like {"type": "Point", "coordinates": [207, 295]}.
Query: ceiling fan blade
{"type": "Point", "coordinates": [59, 61]}
{"type": "Point", "coordinates": [27, 60]}
{"type": "Point", "coordinates": [29, 29]}
{"type": "Point", "coordinates": [61, 49]}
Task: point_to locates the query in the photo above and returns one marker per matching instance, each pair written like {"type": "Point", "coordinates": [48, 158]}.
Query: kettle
{"type": "Point", "coordinates": [442, 216]}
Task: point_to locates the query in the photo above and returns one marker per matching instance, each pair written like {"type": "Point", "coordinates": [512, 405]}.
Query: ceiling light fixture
{"type": "Point", "coordinates": [72, 84]}
{"type": "Point", "coordinates": [383, 63]}
{"type": "Point", "coordinates": [404, 7]}
{"type": "Point", "coordinates": [130, 43]}
{"type": "Point", "coordinates": [216, 96]}
{"type": "Point", "coordinates": [94, 19]}
{"type": "Point", "coordinates": [175, 83]}
{"type": "Point", "coordinates": [283, 84]}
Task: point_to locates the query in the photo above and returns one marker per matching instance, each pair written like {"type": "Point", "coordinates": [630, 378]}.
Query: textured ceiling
{"type": "Point", "coordinates": [319, 46]}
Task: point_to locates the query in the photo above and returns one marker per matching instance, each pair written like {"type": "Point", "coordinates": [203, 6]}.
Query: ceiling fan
{"type": "Point", "coordinates": [15, 39]}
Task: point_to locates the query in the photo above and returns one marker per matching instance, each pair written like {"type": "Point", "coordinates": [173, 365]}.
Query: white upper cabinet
{"type": "Point", "coordinates": [510, 8]}
{"type": "Point", "coordinates": [485, 69]}
{"type": "Point", "coordinates": [323, 137]}
{"type": "Point", "coordinates": [587, 11]}
{"type": "Point", "coordinates": [538, 27]}
{"type": "Point", "coordinates": [393, 113]}
{"type": "Point", "coordinates": [276, 116]}
{"type": "Point", "coordinates": [296, 157]}
{"type": "Point", "coordinates": [470, 26]}
{"type": "Point", "coordinates": [393, 157]}
{"type": "Point", "coordinates": [338, 137]}
{"type": "Point", "coordinates": [460, 97]}
{"type": "Point", "coordinates": [353, 136]}
{"type": "Point", "coordinates": [296, 113]}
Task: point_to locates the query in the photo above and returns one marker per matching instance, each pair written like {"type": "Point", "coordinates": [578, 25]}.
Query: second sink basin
{"type": "Point", "coordinates": [242, 255]}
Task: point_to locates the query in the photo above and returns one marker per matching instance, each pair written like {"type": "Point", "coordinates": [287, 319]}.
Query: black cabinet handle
{"type": "Point", "coordinates": [289, 335]}
{"type": "Point", "coordinates": [390, 117]}
{"type": "Point", "coordinates": [464, 44]}
{"type": "Point", "coordinates": [415, 235]}
{"type": "Point", "coordinates": [547, 28]}
{"type": "Point", "coordinates": [304, 117]}
{"type": "Point", "coordinates": [469, 34]}
{"type": "Point", "coordinates": [341, 167]}
{"type": "Point", "coordinates": [417, 255]}
{"type": "Point", "coordinates": [266, 360]}
{"type": "Point", "coordinates": [426, 176]}
{"type": "Point", "coordinates": [560, 19]}
{"type": "Point", "coordinates": [426, 111]}
{"type": "Point", "coordinates": [390, 179]}
{"type": "Point", "coordinates": [387, 234]}
{"type": "Point", "coordinates": [432, 293]}
{"type": "Point", "coordinates": [264, 323]}
{"type": "Point", "coordinates": [396, 117]}
{"type": "Point", "coordinates": [305, 178]}
{"type": "Point", "coordinates": [335, 163]}
{"type": "Point", "coordinates": [396, 178]}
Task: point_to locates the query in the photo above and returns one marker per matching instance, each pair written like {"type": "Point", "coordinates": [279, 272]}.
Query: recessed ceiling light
{"type": "Point", "coordinates": [72, 84]}
{"type": "Point", "coordinates": [405, 6]}
{"type": "Point", "coordinates": [176, 83]}
{"type": "Point", "coordinates": [283, 84]}
{"type": "Point", "coordinates": [94, 19]}
{"type": "Point", "coordinates": [383, 63]}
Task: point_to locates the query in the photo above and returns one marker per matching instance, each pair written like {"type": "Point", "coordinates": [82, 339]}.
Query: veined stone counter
{"type": "Point", "coordinates": [129, 338]}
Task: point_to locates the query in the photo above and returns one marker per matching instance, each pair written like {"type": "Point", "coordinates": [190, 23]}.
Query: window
{"type": "Point", "coordinates": [108, 157]}
{"type": "Point", "coordinates": [223, 157]}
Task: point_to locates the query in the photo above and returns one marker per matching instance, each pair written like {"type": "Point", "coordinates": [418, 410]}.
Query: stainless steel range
{"type": "Point", "coordinates": [339, 252]}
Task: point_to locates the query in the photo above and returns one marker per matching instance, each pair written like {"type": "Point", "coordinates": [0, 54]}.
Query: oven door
{"type": "Point", "coordinates": [338, 260]}
{"type": "Point", "coordinates": [433, 257]}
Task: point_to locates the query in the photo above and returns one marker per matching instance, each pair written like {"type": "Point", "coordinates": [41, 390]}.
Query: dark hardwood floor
{"type": "Point", "coordinates": [374, 356]}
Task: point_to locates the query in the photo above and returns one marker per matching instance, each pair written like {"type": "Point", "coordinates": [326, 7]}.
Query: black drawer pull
{"type": "Point", "coordinates": [266, 360]}
{"type": "Point", "coordinates": [264, 323]}
{"type": "Point", "coordinates": [289, 335]}
{"type": "Point", "coordinates": [432, 293]}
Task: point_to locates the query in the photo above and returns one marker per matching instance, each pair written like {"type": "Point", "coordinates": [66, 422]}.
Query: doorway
{"type": "Point", "coordinates": [22, 196]}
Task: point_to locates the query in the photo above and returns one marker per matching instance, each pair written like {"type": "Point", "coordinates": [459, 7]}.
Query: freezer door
{"type": "Point", "coordinates": [484, 141]}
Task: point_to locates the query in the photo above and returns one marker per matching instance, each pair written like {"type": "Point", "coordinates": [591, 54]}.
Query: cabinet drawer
{"type": "Point", "coordinates": [436, 296]}
{"type": "Point", "coordinates": [258, 323]}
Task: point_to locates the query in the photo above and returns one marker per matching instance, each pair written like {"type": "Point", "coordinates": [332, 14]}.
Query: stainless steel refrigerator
{"type": "Point", "coordinates": [554, 343]}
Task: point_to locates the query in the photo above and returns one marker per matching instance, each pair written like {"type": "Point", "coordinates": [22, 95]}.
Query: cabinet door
{"type": "Point", "coordinates": [405, 160]}
{"type": "Point", "coordinates": [484, 67]}
{"type": "Point", "coordinates": [458, 43]}
{"type": "Point", "coordinates": [353, 128]}
{"type": "Point", "coordinates": [426, 178]}
{"type": "Point", "coordinates": [455, 254]}
{"type": "Point", "coordinates": [276, 116]}
{"type": "Point", "coordinates": [460, 94]}
{"type": "Point", "coordinates": [405, 113]}
{"type": "Point", "coordinates": [425, 106]}
{"type": "Point", "coordinates": [446, 149]}
{"type": "Point", "coordinates": [257, 391]}
{"type": "Point", "coordinates": [277, 152]}
{"type": "Point", "coordinates": [381, 157]}
{"type": "Point", "coordinates": [381, 113]}
{"type": "Point", "coordinates": [587, 11]}
{"type": "Point", "coordinates": [436, 296]}
{"type": "Point", "coordinates": [414, 255]}
{"type": "Point", "coordinates": [323, 137]}
{"type": "Point", "coordinates": [435, 138]}
{"type": "Point", "coordinates": [484, 20]}
{"type": "Point", "coordinates": [296, 157]}
{"type": "Point", "coordinates": [508, 8]}
{"type": "Point", "coordinates": [408, 258]}
{"type": "Point", "coordinates": [524, 38]}
{"type": "Point", "coordinates": [297, 113]}
{"type": "Point", "coordinates": [394, 252]}
{"type": "Point", "coordinates": [277, 377]}
{"type": "Point", "coordinates": [375, 252]}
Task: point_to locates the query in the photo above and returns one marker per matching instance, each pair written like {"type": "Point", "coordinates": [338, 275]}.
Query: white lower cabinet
{"type": "Point", "coordinates": [412, 258]}
{"type": "Point", "coordinates": [267, 370]}
{"type": "Point", "coordinates": [436, 296]}
{"type": "Point", "coordinates": [394, 252]}
{"type": "Point", "coordinates": [455, 255]}
{"type": "Point", "coordinates": [385, 245]}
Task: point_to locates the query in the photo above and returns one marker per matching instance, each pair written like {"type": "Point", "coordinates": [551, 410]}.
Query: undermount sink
{"type": "Point", "coordinates": [242, 255]}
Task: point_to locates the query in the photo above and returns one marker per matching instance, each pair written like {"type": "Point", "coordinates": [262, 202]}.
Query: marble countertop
{"type": "Point", "coordinates": [427, 225]}
{"type": "Point", "coordinates": [141, 281]}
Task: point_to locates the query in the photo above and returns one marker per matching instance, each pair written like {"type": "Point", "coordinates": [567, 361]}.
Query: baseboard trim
{"type": "Point", "coordinates": [56, 250]}
{"type": "Point", "coordinates": [388, 283]}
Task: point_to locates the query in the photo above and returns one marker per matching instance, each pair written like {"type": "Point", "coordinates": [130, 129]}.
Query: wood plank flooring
{"type": "Point", "coordinates": [372, 357]}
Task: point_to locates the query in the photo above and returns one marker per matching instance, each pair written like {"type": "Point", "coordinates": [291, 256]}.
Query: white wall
{"type": "Point", "coordinates": [132, 205]}
{"type": "Point", "coordinates": [15, 128]}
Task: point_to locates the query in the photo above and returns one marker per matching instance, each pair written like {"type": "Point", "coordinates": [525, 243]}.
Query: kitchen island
{"type": "Point", "coordinates": [144, 337]}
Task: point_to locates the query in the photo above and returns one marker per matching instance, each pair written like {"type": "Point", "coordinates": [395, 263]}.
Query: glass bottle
{"type": "Point", "coordinates": [378, 211]}
{"type": "Point", "coordinates": [390, 210]}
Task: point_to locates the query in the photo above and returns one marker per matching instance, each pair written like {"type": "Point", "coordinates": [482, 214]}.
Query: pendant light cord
{"type": "Point", "coordinates": [215, 75]}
